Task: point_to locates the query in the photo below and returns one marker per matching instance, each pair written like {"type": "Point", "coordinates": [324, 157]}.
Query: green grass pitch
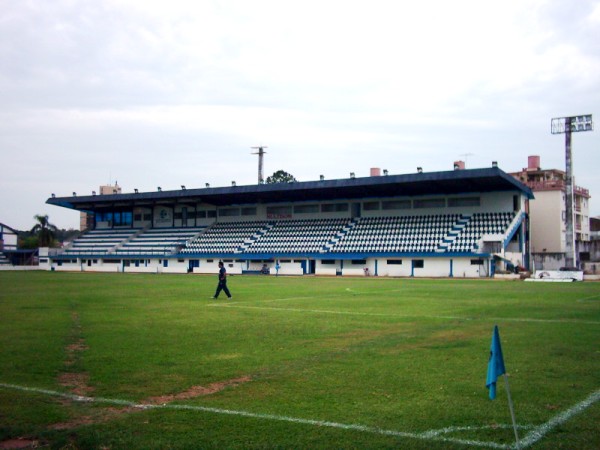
{"type": "Point", "coordinates": [124, 361]}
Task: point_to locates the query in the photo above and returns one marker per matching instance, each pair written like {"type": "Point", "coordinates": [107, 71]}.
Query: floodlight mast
{"type": "Point", "coordinates": [260, 153]}
{"type": "Point", "coordinates": [567, 125]}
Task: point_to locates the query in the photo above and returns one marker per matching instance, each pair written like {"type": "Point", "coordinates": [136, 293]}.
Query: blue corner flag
{"type": "Point", "coordinates": [495, 365]}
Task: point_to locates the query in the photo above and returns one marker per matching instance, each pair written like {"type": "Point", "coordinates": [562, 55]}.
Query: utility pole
{"type": "Point", "coordinates": [260, 152]}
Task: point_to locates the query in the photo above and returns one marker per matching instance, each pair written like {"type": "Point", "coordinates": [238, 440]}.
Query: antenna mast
{"type": "Point", "coordinates": [260, 153]}
{"type": "Point", "coordinates": [466, 155]}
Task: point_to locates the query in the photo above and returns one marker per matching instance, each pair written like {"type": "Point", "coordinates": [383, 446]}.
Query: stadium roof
{"type": "Point", "coordinates": [415, 184]}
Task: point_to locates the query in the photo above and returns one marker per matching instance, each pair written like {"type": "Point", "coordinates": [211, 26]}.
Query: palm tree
{"type": "Point", "coordinates": [44, 230]}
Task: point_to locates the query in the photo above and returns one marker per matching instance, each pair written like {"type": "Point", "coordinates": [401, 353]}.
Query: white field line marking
{"type": "Point", "coordinates": [432, 435]}
{"type": "Point", "coordinates": [406, 316]}
{"type": "Point", "coordinates": [585, 299]}
{"type": "Point", "coordinates": [327, 311]}
{"type": "Point", "coordinates": [261, 301]}
{"type": "Point", "coordinates": [531, 438]}
{"type": "Point", "coordinates": [540, 431]}
{"type": "Point", "coordinates": [313, 297]}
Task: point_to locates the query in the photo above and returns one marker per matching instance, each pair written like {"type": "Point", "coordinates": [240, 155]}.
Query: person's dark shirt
{"type": "Point", "coordinates": [222, 274]}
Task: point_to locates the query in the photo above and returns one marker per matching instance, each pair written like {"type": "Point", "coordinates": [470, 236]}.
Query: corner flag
{"type": "Point", "coordinates": [495, 364]}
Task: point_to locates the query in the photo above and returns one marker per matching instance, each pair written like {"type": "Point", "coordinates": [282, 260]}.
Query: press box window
{"type": "Point", "coordinates": [395, 204]}
{"type": "Point", "coordinates": [371, 206]}
{"type": "Point", "coordinates": [429, 203]}
{"type": "Point", "coordinates": [334, 207]}
{"type": "Point", "coordinates": [306, 209]}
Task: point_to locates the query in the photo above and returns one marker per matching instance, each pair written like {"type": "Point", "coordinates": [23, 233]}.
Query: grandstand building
{"type": "Point", "coordinates": [459, 223]}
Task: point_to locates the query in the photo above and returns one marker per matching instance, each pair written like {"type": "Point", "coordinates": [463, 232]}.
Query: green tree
{"type": "Point", "coordinates": [44, 231]}
{"type": "Point", "coordinates": [281, 176]}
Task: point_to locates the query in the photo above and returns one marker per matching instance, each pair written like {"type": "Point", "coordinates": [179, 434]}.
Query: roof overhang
{"type": "Point", "coordinates": [417, 184]}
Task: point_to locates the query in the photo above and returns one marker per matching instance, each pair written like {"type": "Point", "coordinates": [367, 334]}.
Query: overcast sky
{"type": "Point", "coordinates": [164, 93]}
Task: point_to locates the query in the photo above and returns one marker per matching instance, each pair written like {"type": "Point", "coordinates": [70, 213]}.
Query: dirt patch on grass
{"type": "Point", "coordinates": [76, 382]}
{"type": "Point", "coordinates": [198, 391]}
{"type": "Point", "coordinates": [19, 443]}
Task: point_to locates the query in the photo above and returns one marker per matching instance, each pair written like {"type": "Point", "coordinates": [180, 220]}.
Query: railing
{"type": "Point", "coordinates": [544, 185]}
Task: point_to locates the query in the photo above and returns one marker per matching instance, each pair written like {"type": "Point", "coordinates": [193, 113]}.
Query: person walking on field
{"type": "Point", "coordinates": [222, 282]}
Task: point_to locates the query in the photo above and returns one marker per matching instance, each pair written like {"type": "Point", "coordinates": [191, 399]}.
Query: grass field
{"type": "Point", "coordinates": [121, 361]}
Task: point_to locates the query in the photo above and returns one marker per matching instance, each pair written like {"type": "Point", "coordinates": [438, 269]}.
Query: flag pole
{"type": "Point", "coordinates": [512, 411]}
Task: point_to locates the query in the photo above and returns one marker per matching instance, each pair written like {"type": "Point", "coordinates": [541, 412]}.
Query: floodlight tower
{"type": "Point", "coordinates": [260, 153]}
{"type": "Point", "coordinates": [568, 125]}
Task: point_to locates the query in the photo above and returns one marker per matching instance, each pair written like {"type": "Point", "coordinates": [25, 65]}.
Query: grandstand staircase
{"type": "Point", "coordinates": [456, 230]}
{"type": "Point", "coordinates": [249, 242]}
{"type": "Point", "coordinates": [339, 235]}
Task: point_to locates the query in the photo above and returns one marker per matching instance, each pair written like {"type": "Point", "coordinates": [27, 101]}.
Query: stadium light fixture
{"type": "Point", "coordinates": [93, 192]}
{"type": "Point", "coordinates": [136, 191]}
{"type": "Point", "coordinates": [494, 163]}
{"type": "Point", "coordinates": [74, 194]}
{"type": "Point", "coordinates": [561, 125]}
{"type": "Point", "coordinates": [207, 184]}
{"type": "Point", "coordinates": [53, 195]}
{"type": "Point", "coordinates": [566, 126]}
{"type": "Point", "coordinates": [233, 183]}
{"type": "Point", "coordinates": [322, 177]}
{"type": "Point", "coordinates": [420, 169]}
{"type": "Point", "coordinates": [159, 189]}
{"type": "Point", "coordinates": [385, 172]}
{"type": "Point", "coordinates": [183, 187]}
{"type": "Point", "coordinates": [352, 175]}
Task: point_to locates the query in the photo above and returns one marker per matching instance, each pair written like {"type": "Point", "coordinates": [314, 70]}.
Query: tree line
{"type": "Point", "coordinates": [45, 234]}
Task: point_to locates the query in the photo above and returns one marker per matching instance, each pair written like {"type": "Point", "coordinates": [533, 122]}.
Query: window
{"type": "Point", "coordinates": [306, 209]}
{"type": "Point", "coordinates": [211, 214]}
{"type": "Point", "coordinates": [430, 203]}
{"type": "Point", "coordinates": [371, 206]}
{"type": "Point", "coordinates": [395, 204]}
{"type": "Point", "coordinates": [279, 210]}
{"type": "Point", "coordinates": [334, 207]}
{"type": "Point", "coordinates": [418, 263]}
{"type": "Point", "coordinates": [361, 262]}
{"type": "Point", "coordinates": [464, 201]}
{"type": "Point", "coordinates": [327, 261]}
{"type": "Point", "coordinates": [248, 211]}
{"type": "Point", "coordinates": [229, 212]}
{"type": "Point", "coordinates": [394, 262]}
{"type": "Point", "coordinates": [477, 262]}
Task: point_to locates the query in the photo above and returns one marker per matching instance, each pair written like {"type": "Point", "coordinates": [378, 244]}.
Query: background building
{"type": "Point", "coordinates": [548, 215]}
